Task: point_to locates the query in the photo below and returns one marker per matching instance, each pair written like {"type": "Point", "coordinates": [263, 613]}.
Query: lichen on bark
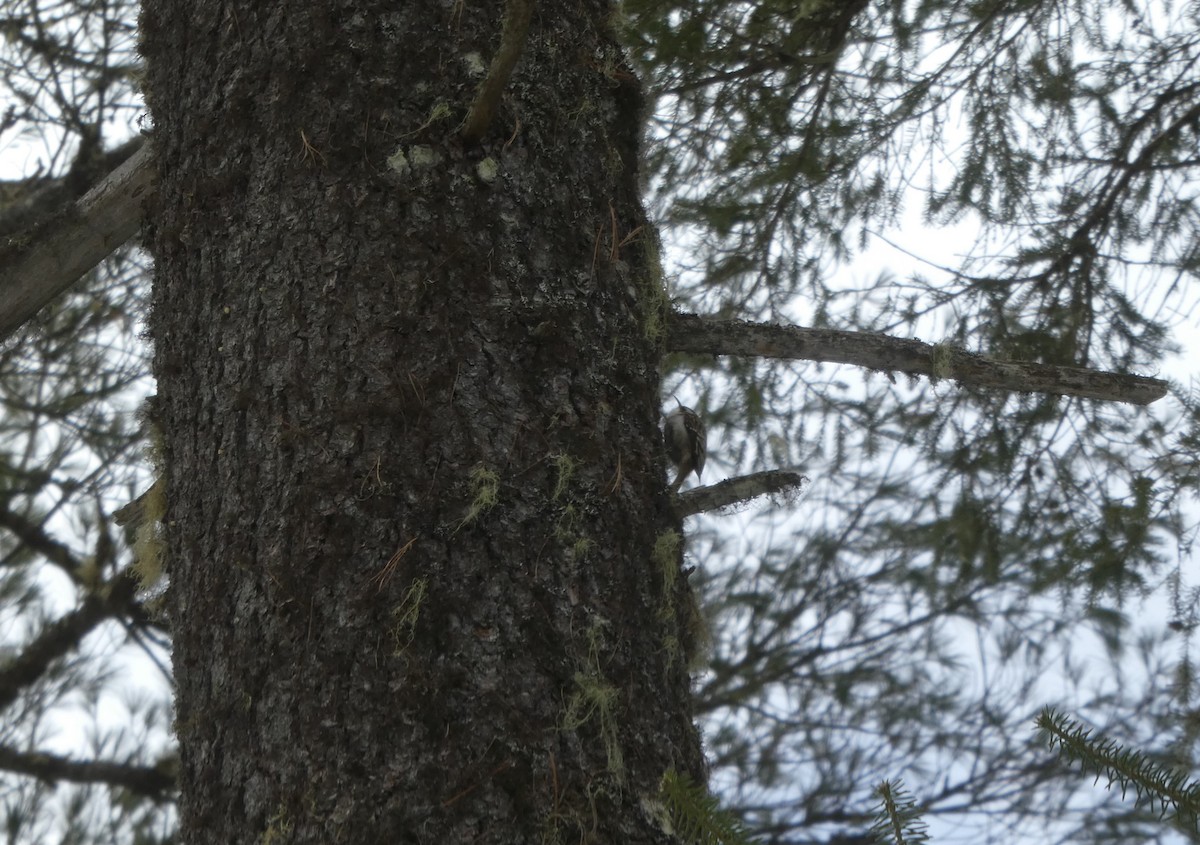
{"type": "Point", "coordinates": [341, 344]}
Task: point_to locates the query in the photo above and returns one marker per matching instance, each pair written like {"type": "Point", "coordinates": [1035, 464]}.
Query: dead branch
{"type": "Point", "coordinates": [691, 333]}
{"type": "Point", "coordinates": [39, 264]}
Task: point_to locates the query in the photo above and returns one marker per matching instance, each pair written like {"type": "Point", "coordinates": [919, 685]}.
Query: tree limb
{"type": "Point", "coordinates": [64, 635]}
{"type": "Point", "coordinates": [691, 333]}
{"type": "Point", "coordinates": [26, 202]}
{"type": "Point", "coordinates": [738, 490]}
{"type": "Point", "coordinates": [517, 15]}
{"type": "Point", "coordinates": [35, 270]}
{"type": "Point", "coordinates": [152, 781]}
{"type": "Point", "coordinates": [39, 264]}
{"type": "Point", "coordinates": [34, 536]}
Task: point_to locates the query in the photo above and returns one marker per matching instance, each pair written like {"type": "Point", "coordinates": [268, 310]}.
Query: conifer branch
{"type": "Point", "coordinates": [1131, 769]}
{"type": "Point", "coordinates": [898, 819]}
{"type": "Point", "coordinates": [697, 816]}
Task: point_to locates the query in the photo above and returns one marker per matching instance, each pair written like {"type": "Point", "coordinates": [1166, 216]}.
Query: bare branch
{"type": "Point", "coordinates": [37, 267]}
{"type": "Point", "coordinates": [152, 781]}
{"type": "Point", "coordinates": [65, 635]}
{"type": "Point", "coordinates": [690, 333]}
{"type": "Point", "coordinates": [517, 16]}
{"type": "Point", "coordinates": [34, 537]}
{"type": "Point", "coordinates": [738, 490]}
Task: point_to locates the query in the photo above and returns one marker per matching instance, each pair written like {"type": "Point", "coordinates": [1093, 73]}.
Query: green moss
{"type": "Point", "coordinates": [695, 633]}
{"type": "Point", "coordinates": [564, 526]}
{"type": "Point", "coordinates": [595, 699]}
{"type": "Point", "coordinates": [581, 111]}
{"type": "Point", "coordinates": [149, 542]}
{"type": "Point", "coordinates": [565, 465]}
{"type": "Point", "coordinates": [486, 486]}
{"type": "Point", "coordinates": [440, 111]}
{"type": "Point", "coordinates": [655, 301]}
{"type": "Point", "coordinates": [614, 165]}
{"type": "Point", "coordinates": [567, 519]}
{"type": "Point", "coordinates": [279, 828]}
{"type": "Point", "coordinates": [666, 554]}
{"type": "Point", "coordinates": [698, 632]}
{"type": "Point", "coordinates": [407, 614]}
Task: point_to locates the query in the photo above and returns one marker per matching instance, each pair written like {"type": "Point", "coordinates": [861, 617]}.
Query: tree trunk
{"type": "Point", "coordinates": [424, 584]}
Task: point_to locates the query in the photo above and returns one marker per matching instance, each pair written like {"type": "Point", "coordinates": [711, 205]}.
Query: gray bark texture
{"type": "Point", "coordinates": [422, 583]}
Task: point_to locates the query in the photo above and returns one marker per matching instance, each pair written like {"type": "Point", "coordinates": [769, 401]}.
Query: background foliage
{"type": "Point", "coordinates": [1024, 174]}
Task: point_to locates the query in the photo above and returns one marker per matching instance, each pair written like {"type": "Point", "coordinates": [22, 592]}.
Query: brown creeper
{"type": "Point", "coordinates": [687, 443]}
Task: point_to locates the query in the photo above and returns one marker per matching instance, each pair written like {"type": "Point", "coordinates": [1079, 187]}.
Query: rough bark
{"type": "Point", "coordinates": [423, 583]}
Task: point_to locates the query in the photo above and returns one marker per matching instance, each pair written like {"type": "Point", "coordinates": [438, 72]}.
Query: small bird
{"type": "Point", "coordinates": [687, 443]}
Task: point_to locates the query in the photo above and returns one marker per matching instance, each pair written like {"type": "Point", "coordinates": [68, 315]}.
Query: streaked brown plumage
{"type": "Point", "coordinates": [687, 443]}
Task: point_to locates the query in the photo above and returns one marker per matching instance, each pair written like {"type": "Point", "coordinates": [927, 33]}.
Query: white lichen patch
{"type": "Point", "coordinates": [398, 162]}
{"type": "Point", "coordinates": [474, 63]}
{"type": "Point", "coordinates": [487, 170]}
{"type": "Point", "coordinates": [422, 156]}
